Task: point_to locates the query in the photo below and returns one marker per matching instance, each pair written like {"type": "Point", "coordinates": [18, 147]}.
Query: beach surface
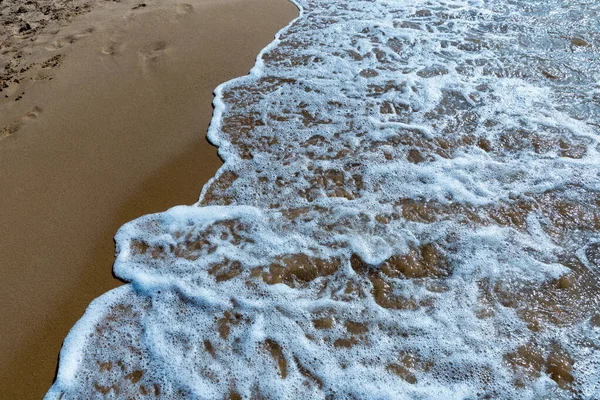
{"type": "Point", "coordinates": [103, 115]}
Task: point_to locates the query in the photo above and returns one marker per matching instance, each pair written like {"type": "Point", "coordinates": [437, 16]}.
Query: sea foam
{"type": "Point", "coordinates": [408, 209]}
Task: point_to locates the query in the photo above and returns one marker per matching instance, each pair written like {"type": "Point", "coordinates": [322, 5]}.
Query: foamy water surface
{"type": "Point", "coordinates": [408, 209]}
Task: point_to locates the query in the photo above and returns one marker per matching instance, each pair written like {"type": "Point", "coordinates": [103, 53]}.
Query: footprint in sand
{"type": "Point", "coordinates": [184, 8]}
{"type": "Point", "coordinates": [69, 39]}
{"type": "Point", "coordinates": [21, 122]}
{"type": "Point", "coordinates": [113, 48]}
{"type": "Point", "coordinates": [153, 51]}
{"type": "Point", "coordinates": [61, 43]}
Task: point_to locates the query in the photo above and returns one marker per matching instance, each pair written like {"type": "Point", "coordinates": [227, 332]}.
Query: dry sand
{"type": "Point", "coordinates": [105, 123]}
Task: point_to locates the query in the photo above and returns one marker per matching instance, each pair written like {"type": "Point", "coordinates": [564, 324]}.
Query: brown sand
{"type": "Point", "coordinates": [111, 129]}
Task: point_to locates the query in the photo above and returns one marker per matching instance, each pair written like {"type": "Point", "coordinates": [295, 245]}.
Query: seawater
{"type": "Point", "coordinates": [409, 209]}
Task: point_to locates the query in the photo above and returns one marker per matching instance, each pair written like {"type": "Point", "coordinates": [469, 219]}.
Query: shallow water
{"type": "Point", "coordinates": [408, 209]}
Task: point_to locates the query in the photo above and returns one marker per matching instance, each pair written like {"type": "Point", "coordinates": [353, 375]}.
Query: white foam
{"type": "Point", "coordinates": [402, 180]}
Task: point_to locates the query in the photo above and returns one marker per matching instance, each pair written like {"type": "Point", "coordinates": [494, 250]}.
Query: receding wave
{"type": "Point", "coordinates": [409, 209]}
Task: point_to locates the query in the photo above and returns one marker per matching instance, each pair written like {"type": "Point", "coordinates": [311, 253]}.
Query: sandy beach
{"type": "Point", "coordinates": [103, 115]}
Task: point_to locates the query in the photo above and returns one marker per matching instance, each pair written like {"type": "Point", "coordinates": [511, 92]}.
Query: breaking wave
{"type": "Point", "coordinates": [409, 209]}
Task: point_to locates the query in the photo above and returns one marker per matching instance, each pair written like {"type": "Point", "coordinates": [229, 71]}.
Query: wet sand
{"type": "Point", "coordinates": [110, 130]}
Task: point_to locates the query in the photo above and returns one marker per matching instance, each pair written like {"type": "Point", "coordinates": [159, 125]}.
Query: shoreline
{"type": "Point", "coordinates": [118, 132]}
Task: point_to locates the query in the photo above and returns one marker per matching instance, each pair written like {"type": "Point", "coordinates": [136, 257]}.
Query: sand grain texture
{"type": "Point", "coordinates": [102, 119]}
